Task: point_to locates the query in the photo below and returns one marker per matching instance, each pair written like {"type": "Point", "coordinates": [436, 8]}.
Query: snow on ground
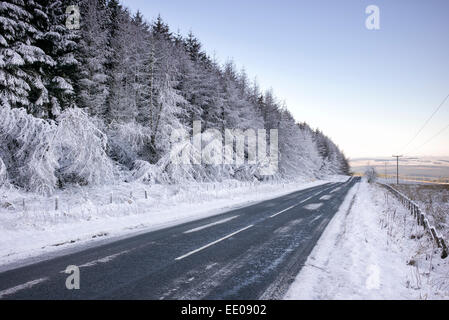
{"type": "Point", "coordinates": [433, 199]}
{"type": "Point", "coordinates": [372, 249]}
{"type": "Point", "coordinates": [30, 226]}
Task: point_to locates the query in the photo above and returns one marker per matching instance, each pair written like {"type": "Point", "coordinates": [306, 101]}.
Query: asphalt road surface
{"type": "Point", "coordinates": [253, 252]}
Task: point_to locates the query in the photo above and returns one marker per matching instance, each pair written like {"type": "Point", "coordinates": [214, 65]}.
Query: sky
{"type": "Point", "coordinates": [369, 90]}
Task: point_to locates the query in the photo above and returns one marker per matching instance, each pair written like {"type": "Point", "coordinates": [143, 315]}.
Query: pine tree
{"type": "Point", "coordinates": [161, 30]}
{"type": "Point", "coordinates": [121, 102]}
{"type": "Point", "coordinates": [93, 54]}
{"type": "Point", "coordinates": [60, 43]}
{"type": "Point", "coordinates": [22, 61]}
{"type": "Point", "coordinates": [136, 83]}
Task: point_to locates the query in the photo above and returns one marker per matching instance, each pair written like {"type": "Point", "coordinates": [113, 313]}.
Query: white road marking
{"type": "Point", "coordinates": [335, 190]}
{"type": "Point", "coordinates": [322, 191]}
{"type": "Point", "coordinates": [102, 260]}
{"type": "Point", "coordinates": [20, 287]}
{"type": "Point", "coordinates": [274, 215]}
{"type": "Point", "coordinates": [312, 206]}
{"type": "Point", "coordinates": [306, 200]}
{"type": "Point", "coordinates": [326, 197]}
{"type": "Point", "coordinates": [316, 218]}
{"type": "Point", "coordinates": [212, 243]}
{"type": "Point", "coordinates": [210, 225]}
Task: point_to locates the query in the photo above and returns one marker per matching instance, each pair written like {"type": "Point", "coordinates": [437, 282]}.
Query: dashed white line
{"type": "Point", "coordinates": [102, 260]}
{"type": "Point", "coordinates": [274, 215]}
{"type": "Point", "coordinates": [315, 219]}
{"type": "Point", "coordinates": [335, 190]}
{"type": "Point", "coordinates": [307, 199]}
{"type": "Point", "coordinates": [238, 231]}
{"type": "Point", "coordinates": [20, 287]}
{"type": "Point", "coordinates": [212, 243]}
{"type": "Point", "coordinates": [324, 190]}
{"type": "Point", "coordinates": [210, 225]}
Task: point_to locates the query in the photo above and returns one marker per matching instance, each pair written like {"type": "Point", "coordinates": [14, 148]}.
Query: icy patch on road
{"type": "Point", "coordinates": [313, 206]}
{"type": "Point", "coordinates": [287, 229]}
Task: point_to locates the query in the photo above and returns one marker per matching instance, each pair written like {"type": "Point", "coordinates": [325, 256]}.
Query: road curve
{"type": "Point", "coordinates": [253, 252]}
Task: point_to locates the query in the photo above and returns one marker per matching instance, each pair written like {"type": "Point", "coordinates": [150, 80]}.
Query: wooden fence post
{"type": "Point", "coordinates": [444, 253]}
{"type": "Point", "coordinates": [435, 237]}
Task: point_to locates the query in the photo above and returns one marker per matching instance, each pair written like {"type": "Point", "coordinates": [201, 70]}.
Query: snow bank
{"type": "Point", "coordinates": [367, 252]}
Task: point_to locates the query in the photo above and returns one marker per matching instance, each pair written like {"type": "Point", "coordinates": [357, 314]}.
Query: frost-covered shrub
{"type": "Point", "coordinates": [179, 172]}
{"type": "Point", "coordinates": [370, 175]}
{"type": "Point", "coordinates": [27, 150]}
{"type": "Point", "coordinates": [37, 152]}
{"type": "Point", "coordinates": [183, 162]}
{"type": "Point", "coordinates": [128, 142]}
{"type": "Point", "coordinates": [81, 150]}
{"type": "Point", "coordinates": [146, 172]}
{"type": "Point", "coordinates": [246, 173]}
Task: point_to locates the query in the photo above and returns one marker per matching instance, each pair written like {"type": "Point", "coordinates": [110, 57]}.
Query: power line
{"type": "Point", "coordinates": [433, 137]}
{"type": "Point", "coordinates": [425, 123]}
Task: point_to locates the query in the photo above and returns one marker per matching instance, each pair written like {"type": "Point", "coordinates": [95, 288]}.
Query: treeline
{"type": "Point", "coordinates": [98, 103]}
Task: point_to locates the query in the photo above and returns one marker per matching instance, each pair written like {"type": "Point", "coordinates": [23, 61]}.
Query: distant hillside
{"type": "Point", "coordinates": [436, 167]}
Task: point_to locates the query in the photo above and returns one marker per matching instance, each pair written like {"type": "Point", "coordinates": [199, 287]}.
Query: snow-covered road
{"type": "Point", "coordinates": [86, 218]}
{"type": "Point", "coordinates": [247, 253]}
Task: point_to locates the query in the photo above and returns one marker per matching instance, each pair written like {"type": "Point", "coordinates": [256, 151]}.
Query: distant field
{"type": "Point", "coordinates": [410, 167]}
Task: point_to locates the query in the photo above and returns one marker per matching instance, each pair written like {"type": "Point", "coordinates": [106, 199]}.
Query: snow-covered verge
{"type": "Point", "coordinates": [30, 225]}
{"type": "Point", "coordinates": [372, 249]}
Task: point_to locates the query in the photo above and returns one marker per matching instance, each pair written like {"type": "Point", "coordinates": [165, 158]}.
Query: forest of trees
{"type": "Point", "coordinates": [97, 104]}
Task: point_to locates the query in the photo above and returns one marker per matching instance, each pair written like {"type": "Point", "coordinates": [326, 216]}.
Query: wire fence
{"type": "Point", "coordinates": [420, 217]}
{"type": "Point", "coordinates": [123, 200]}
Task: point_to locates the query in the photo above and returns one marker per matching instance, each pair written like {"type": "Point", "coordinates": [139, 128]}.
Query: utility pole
{"type": "Point", "coordinates": [397, 168]}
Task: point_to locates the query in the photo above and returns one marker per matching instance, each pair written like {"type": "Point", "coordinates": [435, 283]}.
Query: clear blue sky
{"type": "Point", "coordinates": [370, 91]}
